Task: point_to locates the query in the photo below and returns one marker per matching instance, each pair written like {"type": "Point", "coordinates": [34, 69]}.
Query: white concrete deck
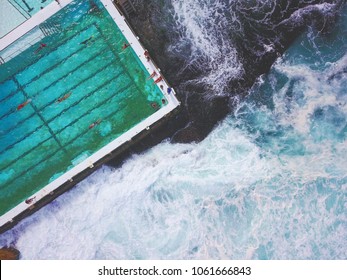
{"type": "Point", "coordinates": [88, 163]}
{"type": "Point", "coordinates": [29, 24]}
{"type": "Point", "coordinates": [10, 17]}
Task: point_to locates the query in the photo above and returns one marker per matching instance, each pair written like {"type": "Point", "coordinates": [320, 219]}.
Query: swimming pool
{"type": "Point", "coordinates": [66, 97]}
{"type": "Point", "coordinates": [15, 12]}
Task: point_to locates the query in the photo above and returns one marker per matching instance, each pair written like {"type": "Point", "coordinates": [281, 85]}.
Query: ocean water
{"type": "Point", "coordinates": [269, 182]}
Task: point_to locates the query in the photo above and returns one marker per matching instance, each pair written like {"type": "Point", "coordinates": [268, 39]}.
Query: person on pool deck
{"type": "Point", "coordinates": [146, 54]}
{"type": "Point", "coordinates": [42, 45]}
{"type": "Point", "coordinates": [152, 75]}
{"type": "Point", "coordinates": [30, 200]}
{"type": "Point", "coordinates": [158, 80]}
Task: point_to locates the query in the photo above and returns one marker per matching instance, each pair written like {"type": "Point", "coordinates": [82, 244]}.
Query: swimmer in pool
{"type": "Point", "coordinates": [94, 124]}
{"type": "Point", "coordinates": [21, 106]}
{"type": "Point", "coordinates": [86, 41]}
{"type": "Point", "coordinates": [42, 45]}
{"type": "Point", "coordinates": [61, 99]}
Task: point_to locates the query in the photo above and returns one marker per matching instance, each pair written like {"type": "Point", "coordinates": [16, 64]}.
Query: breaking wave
{"type": "Point", "coordinates": [269, 182]}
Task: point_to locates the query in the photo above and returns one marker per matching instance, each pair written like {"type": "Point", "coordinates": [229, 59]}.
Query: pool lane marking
{"type": "Point", "coordinates": [78, 101]}
{"type": "Point", "coordinates": [47, 87]}
{"type": "Point", "coordinates": [70, 141]}
{"type": "Point", "coordinates": [41, 117]}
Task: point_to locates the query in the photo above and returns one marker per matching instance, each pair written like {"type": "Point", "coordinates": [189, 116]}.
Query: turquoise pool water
{"type": "Point", "coordinates": [67, 96]}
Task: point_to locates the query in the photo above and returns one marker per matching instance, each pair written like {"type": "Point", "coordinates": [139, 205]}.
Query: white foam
{"type": "Point", "coordinates": [205, 25]}
{"type": "Point", "coordinates": [316, 94]}
{"type": "Point", "coordinates": [232, 196]}
{"type": "Point", "coordinates": [221, 198]}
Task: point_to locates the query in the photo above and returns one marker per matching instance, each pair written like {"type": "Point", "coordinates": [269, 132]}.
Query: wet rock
{"type": "Point", "coordinates": [266, 33]}
{"type": "Point", "coordinates": [202, 121]}
{"type": "Point", "coordinates": [9, 253]}
{"type": "Point", "coordinates": [190, 133]}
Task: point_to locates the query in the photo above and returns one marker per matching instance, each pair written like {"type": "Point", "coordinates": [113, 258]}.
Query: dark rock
{"type": "Point", "coordinates": [189, 134]}
{"type": "Point", "coordinates": [9, 253]}
{"type": "Point", "coordinates": [273, 23]}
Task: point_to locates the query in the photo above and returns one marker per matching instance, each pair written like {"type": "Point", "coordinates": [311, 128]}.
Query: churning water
{"type": "Point", "coordinates": [269, 182]}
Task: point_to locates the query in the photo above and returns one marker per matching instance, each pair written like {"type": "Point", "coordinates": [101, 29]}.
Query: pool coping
{"type": "Point", "coordinates": [32, 22]}
{"type": "Point", "coordinates": [86, 167]}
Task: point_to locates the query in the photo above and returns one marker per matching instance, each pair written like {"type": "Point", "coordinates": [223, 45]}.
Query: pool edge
{"type": "Point", "coordinates": [108, 152]}
{"type": "Point", "coordinates": [68, 185]}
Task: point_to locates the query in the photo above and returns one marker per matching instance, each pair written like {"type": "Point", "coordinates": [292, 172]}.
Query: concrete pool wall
{"type": "Point", "coordinates": [109, 151]}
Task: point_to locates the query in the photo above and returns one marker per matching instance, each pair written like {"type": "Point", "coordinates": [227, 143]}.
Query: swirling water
{"type": "Point", "coordinates": [269, 182]}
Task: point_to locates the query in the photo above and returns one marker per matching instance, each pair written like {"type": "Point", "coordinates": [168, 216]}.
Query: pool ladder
{"type": "Point", "coordinates": [50, 29]}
